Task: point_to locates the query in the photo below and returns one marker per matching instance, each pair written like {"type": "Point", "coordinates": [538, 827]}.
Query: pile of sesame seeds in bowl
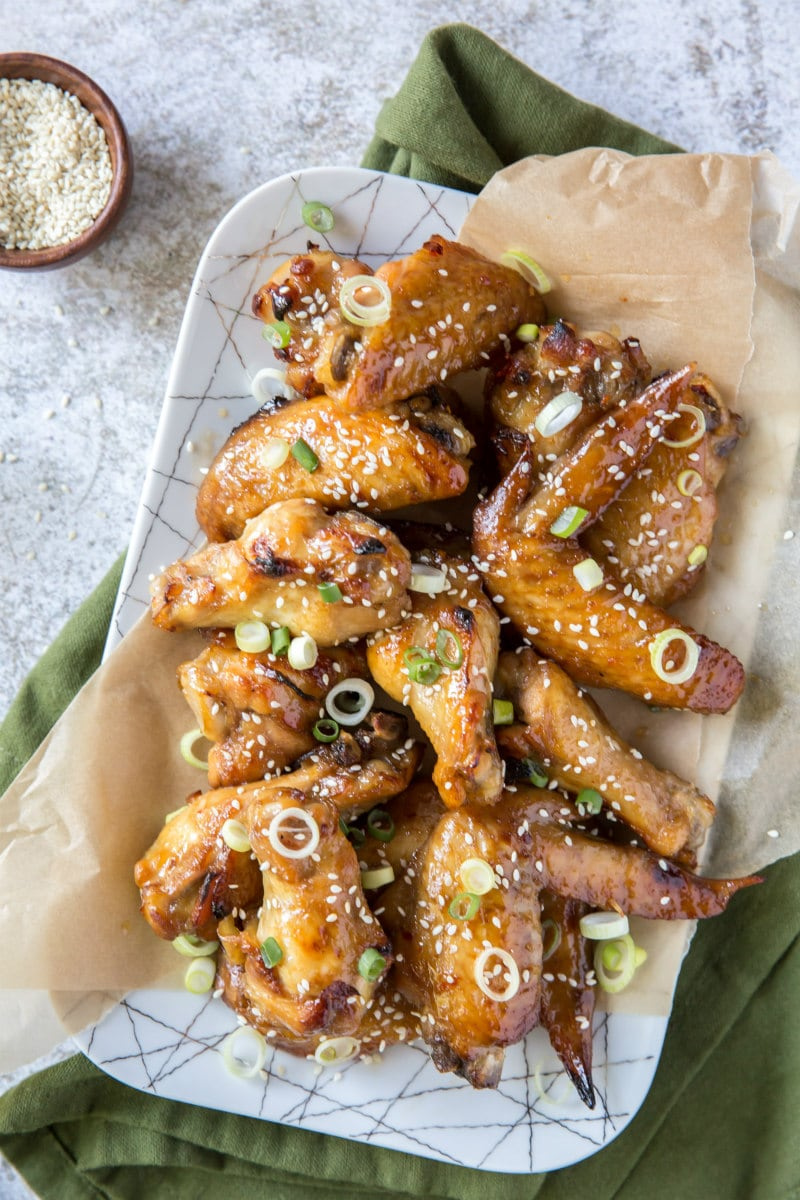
{"type": "Point", "coordinates": [417, 824]}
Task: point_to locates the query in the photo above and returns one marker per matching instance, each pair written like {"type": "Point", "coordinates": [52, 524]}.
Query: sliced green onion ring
{"type": "Point", "coordinates": [512, 985]}
{"type": "Point", "coordinates": [271, 952]}
{"type": "Point", "coordinates": [377, 878]}
{"type": "Point", "coordinates": [700, 418]}
{"type": "Point", "coordinates": [244, 1052]}
{"type": "Point", "coordinates": [558, 413]}
{"type": "Point", "coordinates": [252, 636]}
{"type": "Point", "coordinates": [317, 216]}
{"type": "Point", "coordinates": [333, 1051]}
{"type": "Point", "coordinates": [658, 648]}
{"type": "Point", "coordinates": [234, 834]}
{"type": "Point", "coordinates": [589, 574]}
{"type": "Point", "coordinates": [270, 382]}
{"type": "Point", "coordinates": [603, 926]}
{"type": "Point", "coordinates": [326, 730]}
{"type": "Point", "coordinates": [698, 556]}
{"type": "Point", "coordinates": [427, 579]}
{"type": "Point", "coordinates": [371, 965]}
{"type": "Point", "coordinates": [191, 946]}
{"type": "Point", "coordinates": [536, 774]}
{"type": "Point", "coordinates": [280, 640]}
{"type": "Point", "coordinates": [187, 749]}
{"type": "Point", "coordinates": [529, 268]}
{"type": "Point", "coordinates": [305, 455]}
{"type": "Point", "coordinates": [502, 712]}
{"type": "Point", "coordinates": [353, 711]}
{"type": "Point", "coordinates": [302, 652]}
{"type": "Point", "coordinates": [417, 654]}
{"type": "Point", "coordinates": [278, 334]}
{"type": "Point", "coordinates": [615, 963]}
{"type": "Point", "coordinates": [590, 800]}
{"type": "Point", "coordinates": [689, 482]}
{"type": "Point", "coordinates": [562, 1080]}
{"type": "Point", "coordinates": [568, 520]}
{"type": "Point", "coordinates": [199, 977]}
{"type": "Point", "coordinates": [277, 827]}
{"type": "Point", "coordinates": [526, 333]}
{"type": "Point", "coordinates": [426, 672]}
{"type": "Point", "coordinates": [477, 876]}
{"type": "Point", "coordinates": [464, 906]}
{"type": "Point", "coordinates": [331, 593]}
{"type": "Point", "coordinates": [274, 453]}
{"type": "Point", "coordinates": [444, 639]}
{"type": "Point", "coordinates": [550, 943]}
{"type": "Point", "coordinates": [380, 824]}
{"type": "Point", "coordinates": [356, 311]}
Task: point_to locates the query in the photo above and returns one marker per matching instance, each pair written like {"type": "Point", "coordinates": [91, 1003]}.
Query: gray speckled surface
{"type": "Point", "coordinates": [218, 98]}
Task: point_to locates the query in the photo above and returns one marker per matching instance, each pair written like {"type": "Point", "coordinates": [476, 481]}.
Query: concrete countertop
{"type": "Point", "coordinates": [218, 98]}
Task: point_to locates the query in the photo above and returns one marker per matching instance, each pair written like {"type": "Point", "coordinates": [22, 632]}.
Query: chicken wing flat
{"type": "Point", "coordinates": [566, 732]}
{"type": "Point", "coordinates": [257, 709]}
{"type": "Point", "coordinates": [604, 633]}
{"type": "Point", "coordinates": [407, 453]}
{"type": "Point", "coordinates": [189, 878]}
{"type": "Point", "coordinates": [658, 531]}
{"type": "Point", "coordinates": [282, 568]}
{"type": "Point", "coordinates": [450, 308]}
{"type": "Point", "coordinates": [449, 691]}
{"type": "Point", "coordinates": [567, 993]}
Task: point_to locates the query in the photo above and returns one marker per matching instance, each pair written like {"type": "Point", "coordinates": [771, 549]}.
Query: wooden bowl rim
{"type": "Point", "coordinates": [30, 65]}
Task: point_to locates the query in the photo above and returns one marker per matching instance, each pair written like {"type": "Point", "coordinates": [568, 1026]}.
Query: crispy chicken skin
{"type": "Point", "coordinates": [274, 570]}
{"type": "Point", "coordinates": [257, 709]}
{"type": "Point", "coordinates": [450, 308]}
{"type": "Point", "coordinates": [455, 711]}
{"type": "Point", "coordinates": [602, 636]}
{"type": "Point", "coordinates": [407, 453]}
{"type": "Point", "coordinates": [566, 732]}
{"type": "Point", "coordinates": [567, 1000]}
{"type": "Point", "coordinates": [316, 986]}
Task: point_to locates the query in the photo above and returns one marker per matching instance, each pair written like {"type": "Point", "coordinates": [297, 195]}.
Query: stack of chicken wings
{"type": "Point", "coordinates": [420, 865]}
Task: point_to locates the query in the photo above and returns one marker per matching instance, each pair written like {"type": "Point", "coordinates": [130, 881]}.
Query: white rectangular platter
{"type": "Point", "coordinates": [168, 1042]}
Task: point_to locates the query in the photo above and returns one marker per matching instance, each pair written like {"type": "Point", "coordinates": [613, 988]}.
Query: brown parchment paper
{"type": "Point", "coordinates": [698, 256]}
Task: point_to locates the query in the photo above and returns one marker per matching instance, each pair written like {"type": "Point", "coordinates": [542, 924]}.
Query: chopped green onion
{"type": "Point", "coordinates": [528, 267]}
{"type": "Point", "coordinates": [187, 749]}
{"type": "Point", "coordinates": [700, 418]}
{"type": "Point", "coordinates": [358, 313]}
{"type": "Point", "coordinates": [234, 834]}
{"type": "Point", "coordinates": [333, 1051]}
{"type": "Point", "coordinates": [615, 963]}
{"type": "Point", "coordinates": [199, 977]}
{"type": "Point", "coordinates": [502, 712]}
{"type": "Point", "coordinates": [526, 333]}
{"type": "Point", "coordinates": [552, 941]}
{"type": "Point", "coordinates": [512, 974]}
{"type": "Point", "coordinates": [427, 579]}
{"type": "Point", "coordinates": [603, 926]}
{"type": "Point", "coordinates": [658, 648]}
{"type": "Point", "coordinates": [251, 636]}
{"type": "Point", "coordinates": [371, 880]}
{"type": "Point", "coordinates": [689, 482]}
{"type": "Point", "coordinates": [443, 640]}
{"type": "Point", "coordinates": [276, 379]}
{"type": "Point", "coordinates": [356, 835]}
{"type": "Point", "coordinates": [191, 946]}
{"type": "Point", "coordinates": [276, 829]}
{"type": "Point", "coordinates": [274, 453]}
{"type": "Point", "coordinates": [349, 701]}
{"type": "Point", "coordinates": [417, 654]}
{"type": "Point", "coordinates": [590, 800]}
{"type": "Point", "coordinates": [698, 556]}
{"type": "Point", "coordinates": [477, 876]}
{"type": "Point", "coordinates": [305, 455]}
{"type": "Point", "coordinates": [568, 520]}
{"type": "Point", "coordinates": [464, 906]}
{"type": "Point", "coordinates": [425, 673]}
{"type": "Point", "coordinates": [343, 826]}
{"type": "Point", "coordinates": [175, 812]}
{"type": "Point", "coordinates": [244, 1052]}
{"type": "Point", "coordinates": [317, 216]}
{"type": "Point", "coordinates": [331, 593]}
{"type": "Point", "coordinates": [380, 825]}
{"type": "Point", "coordinates": [271, 952]}
{"type": "Point", "coordinates": [639, 955]}
{"type": "Point", "coordinates": [302, 652]}
{"type": "Point", "coordinates": [278, 334]}
{"type": "Point", "coordinates": [371, 965]}
{"type": "Point", "coordinates": [589, 574]}
{"type": "Point", "coordinates": [280, 640]}
{"type": "Point", "coordinates": [326, 730]}
{"type": "Point", "coordinates": [558, 413]}
{"type": "Point", "coordinates": [535, 773]}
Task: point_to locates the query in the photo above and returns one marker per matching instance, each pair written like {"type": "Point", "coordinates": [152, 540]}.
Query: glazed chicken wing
{"type": "Point", "coordinates": [257, 709]}
{"type": "Point", "coordinates": [405, 453]}
{"type": "Point", "coordinates": [283, 569]}
{"type": "Point", "coordinates": [567, 995]}
{"type": "Point", "coordinates": [604, 633]}
{"type": "Point", "coordinates": [568, 735]}
{"type": "Point", "coordinates": [450, 693]}
{"type": "Point", "coordinates": [450, 308]}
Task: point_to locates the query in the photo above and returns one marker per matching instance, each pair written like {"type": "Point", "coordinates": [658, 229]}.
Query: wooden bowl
{"type": "Point", "coordinates": [70, 79]}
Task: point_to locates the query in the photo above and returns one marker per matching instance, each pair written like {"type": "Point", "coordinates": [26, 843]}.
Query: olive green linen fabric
{"type": "Point", "coordinates": [720, 1122]}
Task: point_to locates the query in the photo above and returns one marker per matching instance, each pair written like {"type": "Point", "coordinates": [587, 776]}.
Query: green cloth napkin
{"type": "Point", "coordinates": [720, 1122]}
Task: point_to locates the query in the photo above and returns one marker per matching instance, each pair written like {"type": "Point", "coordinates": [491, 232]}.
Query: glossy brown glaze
{"type": "Point", "coordinates": [567, 1000]}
